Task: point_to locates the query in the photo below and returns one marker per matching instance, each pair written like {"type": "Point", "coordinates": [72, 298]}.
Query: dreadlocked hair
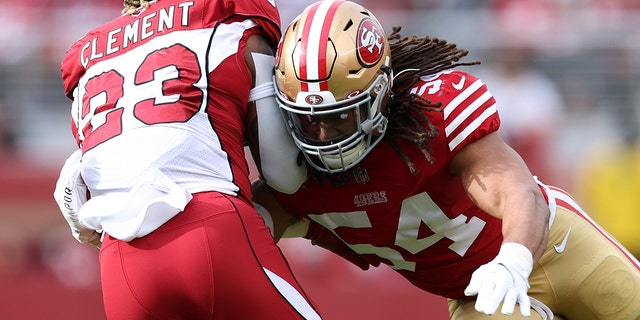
{"type": "Point", "coordinates": [412, 58]}
{"type": "Point", "coordinates": [130, 6]}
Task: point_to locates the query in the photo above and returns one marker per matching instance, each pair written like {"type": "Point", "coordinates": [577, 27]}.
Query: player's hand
{"type": "Point", "coordinates": [324, 238]}
{"type": "Point", "coordinates": [504, 279]}
{"type": "Point", "coordinates": [70, 194]}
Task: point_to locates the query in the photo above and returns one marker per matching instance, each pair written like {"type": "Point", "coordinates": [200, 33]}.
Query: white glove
{"type": "Point", "coordinates": [504, 279]}
{"type": "Point", "coordinates": [71, 194]}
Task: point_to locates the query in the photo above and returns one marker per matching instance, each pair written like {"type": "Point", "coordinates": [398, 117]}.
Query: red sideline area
{"type": "Point", "coordinates": [46, 274]}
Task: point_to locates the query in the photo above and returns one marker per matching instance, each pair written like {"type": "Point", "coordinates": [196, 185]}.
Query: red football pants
{"type": "Point", "coordinates": [214, 260]}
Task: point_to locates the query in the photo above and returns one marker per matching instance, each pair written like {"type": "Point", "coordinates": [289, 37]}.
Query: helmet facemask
{"type": "Point", "coordinates": [342, 152]}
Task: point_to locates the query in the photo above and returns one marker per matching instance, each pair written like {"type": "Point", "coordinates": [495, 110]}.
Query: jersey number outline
{"type": "Point", "coordinates": [434, 86]}
{"type": "Point", "coordinates": [160, 70]}
{"type": "Point", "coordinates": [416, 210]}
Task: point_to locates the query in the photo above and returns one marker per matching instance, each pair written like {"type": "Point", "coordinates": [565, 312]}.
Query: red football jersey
{"type": "Point", "coordinates": [175, 102]}
{"type": "Point", "coordinates": [423, 225]}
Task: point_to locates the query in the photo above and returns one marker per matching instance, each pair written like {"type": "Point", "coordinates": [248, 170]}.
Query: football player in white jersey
{"type": "Point", "coordinates": [408, 170]}
{"type": "Point", "coordinates": [164, 98]}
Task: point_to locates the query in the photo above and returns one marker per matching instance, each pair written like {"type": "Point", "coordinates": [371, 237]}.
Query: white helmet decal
{"type": "Point", "coordinates": [370, 42]}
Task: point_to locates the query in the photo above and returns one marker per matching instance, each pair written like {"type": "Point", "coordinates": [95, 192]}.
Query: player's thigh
{"type": "Point", "coordinates": [252, 277]}
{"type": "Point", "coordinates": [590, 273]}
{"type": "Point", "coordinates": [165, 274]}
{"type": "Point", "coordinates": [215, 260]}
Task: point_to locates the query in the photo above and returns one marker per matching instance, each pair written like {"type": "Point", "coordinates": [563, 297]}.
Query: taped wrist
{"type": "Point", "coordinates": [516, 257]}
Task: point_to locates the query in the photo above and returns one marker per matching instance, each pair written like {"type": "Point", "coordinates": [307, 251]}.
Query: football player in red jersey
{"type": "Point", "coordinates": [409, 171]}
{"type": "Point", "coordinates": [164, 98]}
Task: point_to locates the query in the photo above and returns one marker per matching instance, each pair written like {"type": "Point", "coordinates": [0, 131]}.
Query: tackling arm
{"type": "Point", "coordinates": [499, 182]}
{"type": "Point", "coordinates": [270, 210]}
{"type": "Point", "coordinates": [287, 226]}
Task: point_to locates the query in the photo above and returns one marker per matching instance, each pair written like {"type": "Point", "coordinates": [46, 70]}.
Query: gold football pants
{"type": "Point", "coordinates": [584, 273]}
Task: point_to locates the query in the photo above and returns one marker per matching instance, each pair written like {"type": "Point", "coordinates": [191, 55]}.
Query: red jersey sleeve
{"type": "Point", "coordinates": [469, 109]}
{"type": "Point", "coordinates": [263, 12]}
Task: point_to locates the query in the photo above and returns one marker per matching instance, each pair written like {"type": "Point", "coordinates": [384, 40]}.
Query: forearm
{"type": "Point", "coordinates": [524, 215]}
{"type": "Point", "coordinates": [280, 219]}
{"type": "Point", "coordinates": [525, 219]}
{"type": "Point", "coordinates": [499, 182]}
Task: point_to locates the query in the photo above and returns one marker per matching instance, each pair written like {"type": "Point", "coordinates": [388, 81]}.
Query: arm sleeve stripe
{"type": "Point", "coordinates": [461, 98]}
{"type": "Point", "coordinates": [471, 127]}
{"type": "Point", "coordinates": [466, 113]}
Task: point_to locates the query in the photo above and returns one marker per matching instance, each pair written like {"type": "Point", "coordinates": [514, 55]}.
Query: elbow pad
{"type": "Point", "coordinates": [278, 151]}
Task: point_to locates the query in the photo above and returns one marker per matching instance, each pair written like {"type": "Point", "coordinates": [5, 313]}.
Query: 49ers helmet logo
{"type": "Point", "coordinates": [313, 99]}
{"type": "Point", "coordinates": [370, 42]}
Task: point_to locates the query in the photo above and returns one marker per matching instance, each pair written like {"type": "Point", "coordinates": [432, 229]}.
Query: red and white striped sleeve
{"type": "Point", "coordinates": [469, 109]}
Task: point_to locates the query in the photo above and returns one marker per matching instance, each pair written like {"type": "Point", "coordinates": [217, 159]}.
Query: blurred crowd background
{"type": "Point", "coordinates": [565, 73]}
